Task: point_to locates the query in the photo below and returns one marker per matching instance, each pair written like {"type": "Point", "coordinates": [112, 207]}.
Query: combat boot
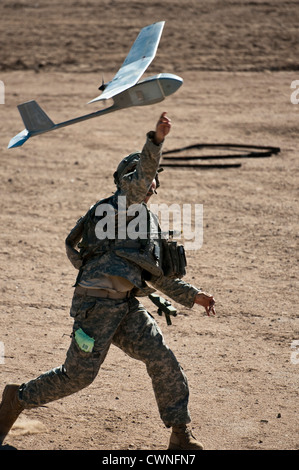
{"type": "Point", "coordinates": [10, 408]}
{"type": "Point", "coordinates": [182, 439]}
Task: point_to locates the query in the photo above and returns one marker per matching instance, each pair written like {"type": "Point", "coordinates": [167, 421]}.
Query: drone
{"type": "Point", "coordinates": [124, 89]}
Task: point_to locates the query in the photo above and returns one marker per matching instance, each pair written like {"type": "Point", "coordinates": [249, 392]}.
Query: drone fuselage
{"type": "Point", "coordinates": [148, 91]}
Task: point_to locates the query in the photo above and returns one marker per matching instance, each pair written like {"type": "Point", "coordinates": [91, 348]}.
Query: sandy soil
{"type": "Point", "coordinates": [238, 60]}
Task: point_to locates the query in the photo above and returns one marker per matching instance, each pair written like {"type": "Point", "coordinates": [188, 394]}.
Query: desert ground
{"type": "Point", "coordinates": [238, 60]}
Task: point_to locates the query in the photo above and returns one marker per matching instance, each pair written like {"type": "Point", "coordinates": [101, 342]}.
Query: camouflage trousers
{"type": "Point", "coordinates": [126, 324]}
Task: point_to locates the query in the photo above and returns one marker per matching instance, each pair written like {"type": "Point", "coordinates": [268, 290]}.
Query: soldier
{"type": "Point", "coordinates": [113, 270]}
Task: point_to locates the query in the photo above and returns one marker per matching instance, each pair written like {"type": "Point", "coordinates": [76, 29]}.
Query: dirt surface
{"type": "Point", "coordinates": [238, 60]}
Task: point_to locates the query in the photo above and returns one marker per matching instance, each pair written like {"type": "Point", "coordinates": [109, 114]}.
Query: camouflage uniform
{"type": "Point", "coordinates": [121, 321]}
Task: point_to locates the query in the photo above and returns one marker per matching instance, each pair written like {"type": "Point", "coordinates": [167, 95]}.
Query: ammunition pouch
{"type": "Point", "coordinates": [173, 260]}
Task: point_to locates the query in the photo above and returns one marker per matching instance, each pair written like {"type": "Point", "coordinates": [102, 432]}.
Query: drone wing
{"type": "Point", "coordinates": [139, 58]}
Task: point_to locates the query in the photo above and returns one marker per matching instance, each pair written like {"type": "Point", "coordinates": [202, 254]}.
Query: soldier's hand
{"type": "Point", "coordinates": [162, 128]}
{"type": "Point", "coordinates": [207, 301]}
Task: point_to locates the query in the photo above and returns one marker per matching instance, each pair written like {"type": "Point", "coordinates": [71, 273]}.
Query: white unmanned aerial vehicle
{"type": "Point", "coordinates": [124, 88]}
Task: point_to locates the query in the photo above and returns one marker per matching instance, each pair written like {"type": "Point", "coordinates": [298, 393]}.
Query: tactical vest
{"type": "Point", "coordinates": [145, 250]}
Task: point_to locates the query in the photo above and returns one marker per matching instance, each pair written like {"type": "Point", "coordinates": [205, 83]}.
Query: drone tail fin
{"type": "Point", "coordinates": [34, 118]}
{"type": "Point", "coordinates": [36, 122]}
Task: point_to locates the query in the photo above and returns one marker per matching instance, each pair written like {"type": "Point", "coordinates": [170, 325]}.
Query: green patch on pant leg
{"type": "Point", "coordinates": [85, 342]}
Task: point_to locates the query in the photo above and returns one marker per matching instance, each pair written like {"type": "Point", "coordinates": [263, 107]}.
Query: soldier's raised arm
{"type": "Point", "coordinates": [136, 172]}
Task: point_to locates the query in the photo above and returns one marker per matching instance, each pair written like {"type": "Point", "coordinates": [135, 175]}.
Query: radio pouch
{"type": "Point", "coordinates": [173, 259]}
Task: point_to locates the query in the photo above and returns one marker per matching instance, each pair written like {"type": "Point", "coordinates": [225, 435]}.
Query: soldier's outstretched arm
{"type": "Point", "coordinates": [135, 186]}
{"type": "Point", "coordinates": [184, 293]}
{"type": "Point", "coordinates": [177, 289]}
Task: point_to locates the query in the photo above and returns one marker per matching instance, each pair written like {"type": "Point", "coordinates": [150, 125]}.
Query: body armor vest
{"type": "Point", "coordinates": [107, 227]}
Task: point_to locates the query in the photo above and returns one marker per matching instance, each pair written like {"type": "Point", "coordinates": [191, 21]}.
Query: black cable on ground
{"type": "Point", "coordinates": [253, 151]}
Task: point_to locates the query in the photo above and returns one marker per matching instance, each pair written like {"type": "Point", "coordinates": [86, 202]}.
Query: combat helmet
{"type": "Point", "coordinates": [128, 165]}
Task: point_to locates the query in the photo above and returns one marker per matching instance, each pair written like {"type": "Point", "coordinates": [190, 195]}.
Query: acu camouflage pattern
{"type": "Point", "coordinates": [127, 325]}
{"type": "Point", "coordinates": [124, 257]}
{"type": "Point", "coordinates": [124, 323]}
{"type": "Point", "coordinates": [102, 257]}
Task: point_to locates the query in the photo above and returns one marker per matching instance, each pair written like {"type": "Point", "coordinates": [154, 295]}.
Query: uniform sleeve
{"type": "Point", "coordinates": [177, 289]}
{"type": "Point", "coordinates": [71, 242]}
{"type": "Point", "coordinates": [135, 185]}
